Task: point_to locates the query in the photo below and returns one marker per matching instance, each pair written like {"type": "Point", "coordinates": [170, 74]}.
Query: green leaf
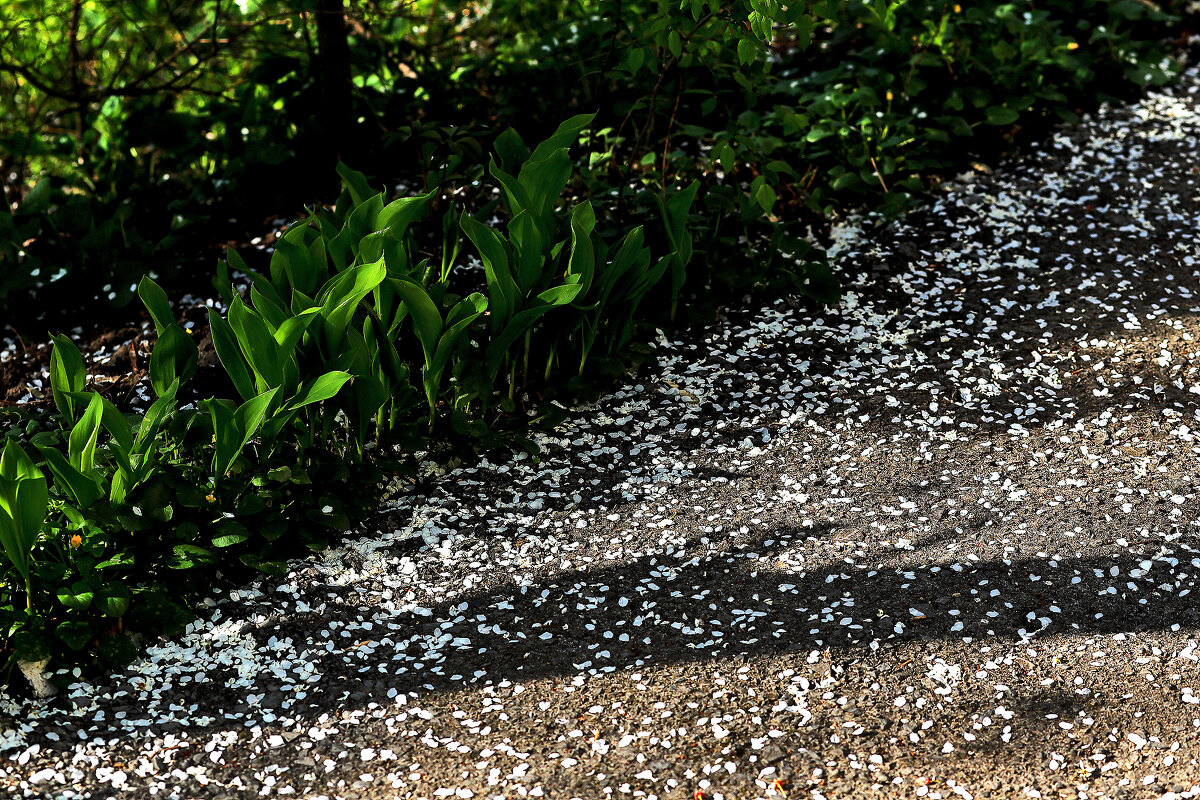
{"type": "Point", "coordinates": [118, 560]}
{"type": "Point", "coordinates": [399, 214]}
{"type": "Point", "coordinates": [114, 600]}
{"type": "Point", "coordinates": [427, 320]}
{"type": "Point", "coordinates": [675, 210]}
{"type": "Point", "coordinates": [457, 328]}
{"type": "Point", "coordinates": [77, 597]}
{"type": "Point", "coordinates": [999, 115]}
{"type": "Point", "coordinates": [354, 182]}
{"type": "Point", "coordinates": [82, 489]}
{"type": "Point", "coordinates": [159, 412]}
{"type": "Point", "coordinates": [189, 555]}
{"type": "Point", "coordinates": [368, 394]}
{"type": "Point", "coordinates": [38, 198]}
{"type": "Point", "coordinates": [117, 425]}
{"type": "Point", "coordinates": [67, 374]}
{"type": "Point", "coordinates": [511, 149]}
{"type": "Point", "coordinates": [292, 329]}
{"type": "Point", "coordinates": [634, 60]}
{"type": "Point", "coordinates": [81, 448]}
{"type": "Point", "coordinates": [174, 357]}
{"type": "Point", "coordinates": [277, 569]}
{"type": "Point", "coordinates": [523, 233]}
{"type": "Point", "coordinates": [746, 50]}
{"type": "Point", "coordinates": [581, 266]}
{"type": "Point", "coordinates": [502, 288]}
{"type": "Point", "coordinates": [517, 197]}
{"type": "Point", "coordinates": [543, 181]}
{"type": "Point", "coordinates": [230, 539]}
{"type": "Point", "coordinates": [74, 634]}
{"type": "Point", "coordinates": [545, 302]}
{"type": "Point", "coordinates": [765, 197]}
{"type": "Point", "coordinates": [564, 136]}
{"type": "Point", "coordinates": [155, 300]}
{"type": "Point", "coordinates": [298, 265]}
{"type": "Point", "coordinates": [319, 389]}
{"type": "Point", "coordinates": [233, 429]}
{"type": "Point", "coordinates": [282, 474]}
{"type": "Point", "coordinates": [257, 344]}
{"type": "Point", "coordinates": [230, 354]}
{"type": "Point", "coordinates": [339, 298]}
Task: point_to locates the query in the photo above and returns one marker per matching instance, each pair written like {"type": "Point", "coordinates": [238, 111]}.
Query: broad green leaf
{"type": "Point", "coordinates": [24, 498]}
{"type": "Point", "coordinates": [361, 222]}
{"type": "Point", "coordinates": [260, 282]}
{"type": "Point", "coordinates": [74, 634]}
{"type": "Point", "coordinates": [999, 115]}
{"type": "Point", "coordinates": [527, 241]}
{"type": "Point", "coordinates": [294, 264]}
{"type": "Point", "coordinates": [67, 374]}
{"type": "Point", "coordinates": [85, 435]}
{"type": "Point", "coordinates": [354, 182]}
{"type": "Point", "coordinates": [38, 198]}
{"type": "Point", "coordinates": [746, 50]}
{"type": "Point", "coordinates": [581, 267]}
{"type": "Point", "coordinates": [367, 394]}
{"type": "Point", "coordinates": [427, 321]}
{"type": "Point", "coordinates": [543, 181]}
{"type": "Point", "coordinates": [82, 489]}
{"type": "Point", "coordinates": [274, 314]}
{"type": "Point", "coordinates": [233, 429]}
{"type": "Point", "coordinates": [511, 149]}
{"type": "Point", "coordinates": [117, 425]}
{"type": "Point", "coordinates": [514, 190]}
{"type": "Point", "coordinates": [524, 319]}
{"type": "Point", "coordinates": [339, 298]}
{"type": "Point", "coordinates": [399, 214]}
{"type": "Point", "coordinates": [675, 210]}
{"type": "Point", "coordinates": [77, 597]}
{"type": "Point", "coordinates": [457, 327]}
{"type": "Point", "coordinates": [765, 196]}
{"type": "Point", "coordinates": [155, 300]}
{"type": "Point", "coordinates": [632, 257]}
{"type": "Point", "coordinates": [158, 413]}
{"type": "Point", "coordinates": [230, 354]}
{"type": "Point", "coordinates": [174, 357]}
{"type": "Point", "coordinates": [114, 600]}
{"type": "Point", "coordinates": [319, 389]}
{"type": "Point", "coordinates": [257, 343]}
{"type": "Point", "coordinates": [289, 333]}
{"type": "Point", "coordinates": [372, 246]}
{"type": "Point", "coordinates": [502, 289]}
{"type": "Point", "coordinates": [565, 136]}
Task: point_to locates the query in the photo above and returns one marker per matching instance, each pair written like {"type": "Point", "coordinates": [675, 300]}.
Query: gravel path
{"type": "Point", "coordinates": [941, 541]}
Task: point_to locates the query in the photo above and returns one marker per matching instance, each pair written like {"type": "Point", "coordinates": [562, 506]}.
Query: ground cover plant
{"type": "Point", "coordinates": [710, 138]}
{"type": "Point", "coordinates": [114, 524]}
{"type": "Point", "coordinates": [130, 140]}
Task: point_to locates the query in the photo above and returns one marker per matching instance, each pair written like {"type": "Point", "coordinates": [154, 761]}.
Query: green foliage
{"type": "Point", "coordinates": [345, 345]}
{"type": "Point", "coordinates": [23, 502]}
{"type": "Point", "coordinates": [130, 134]}
{"type": "Point", "coordinates": [722, 131]}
